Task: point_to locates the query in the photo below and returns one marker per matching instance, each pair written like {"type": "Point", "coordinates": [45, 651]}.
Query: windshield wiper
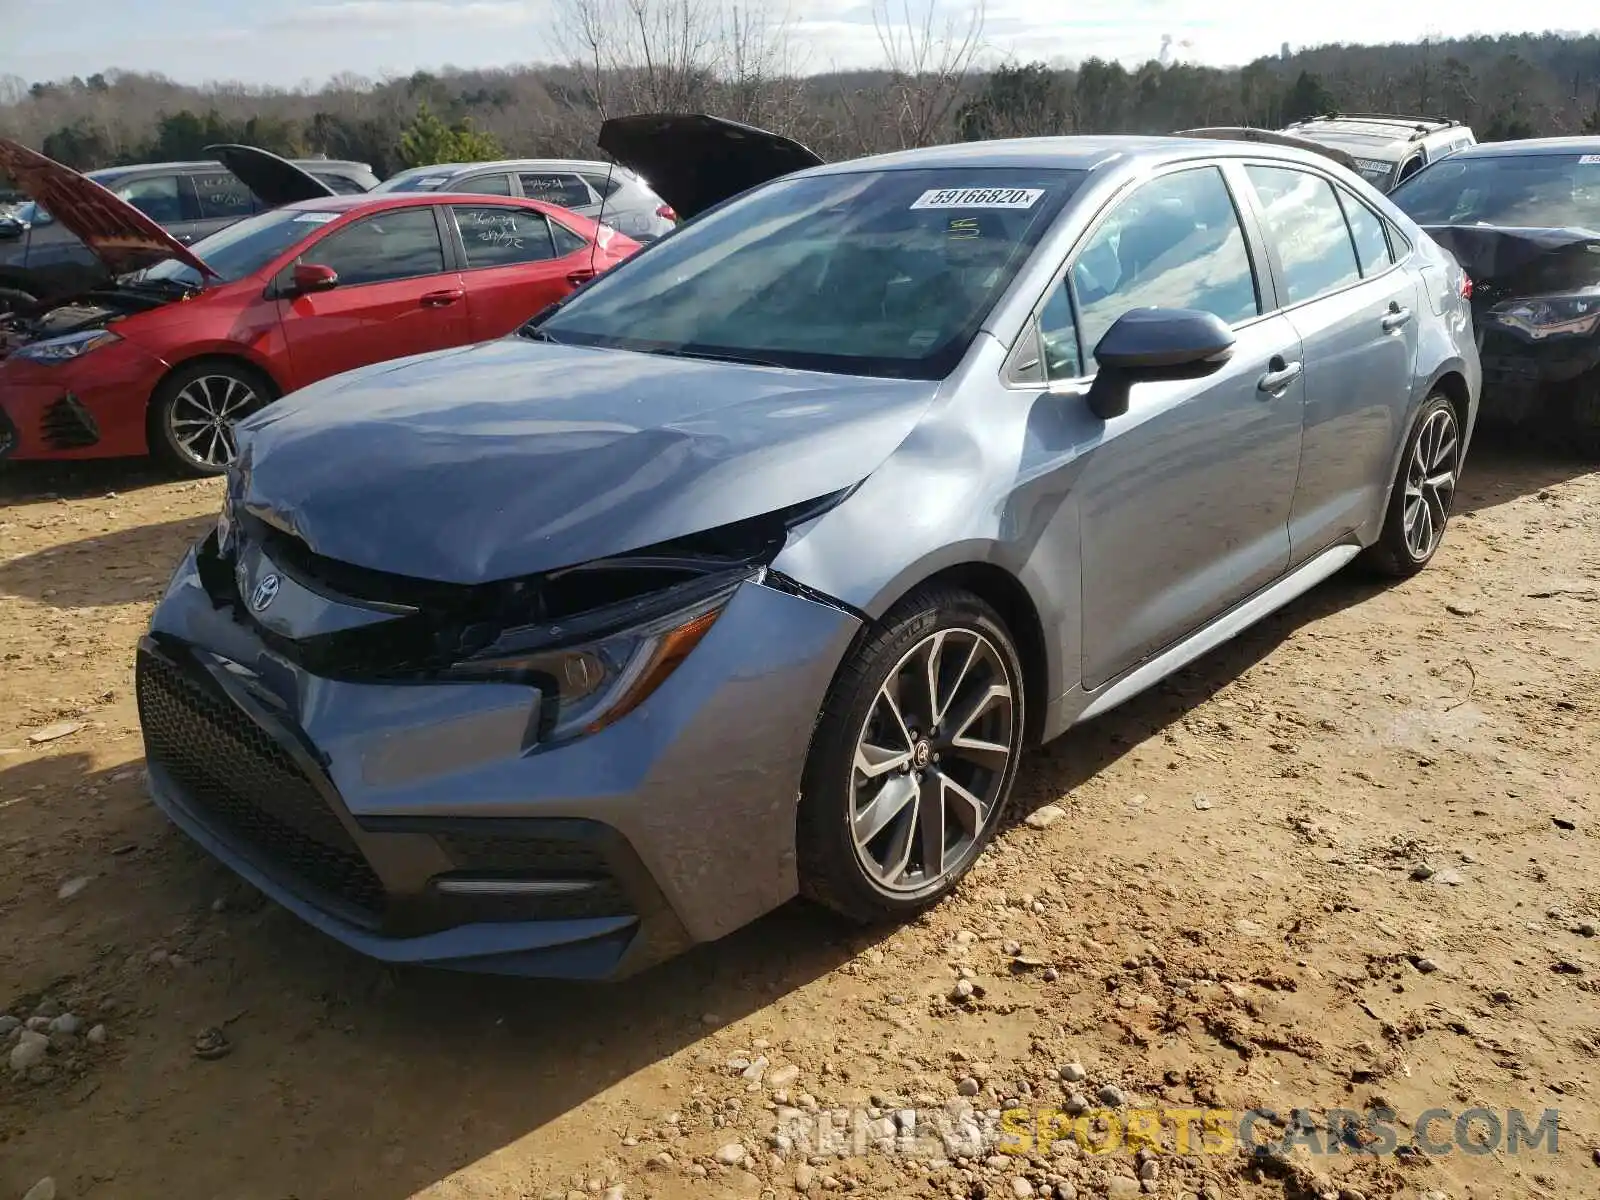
{"type": "Point", "coordinates": [748, 360]}
{"type": "Point", "coordinates": [534, 334]}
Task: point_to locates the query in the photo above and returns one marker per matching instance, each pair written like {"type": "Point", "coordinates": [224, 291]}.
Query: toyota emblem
{"type": "Point", "coordinates": [266, 591]}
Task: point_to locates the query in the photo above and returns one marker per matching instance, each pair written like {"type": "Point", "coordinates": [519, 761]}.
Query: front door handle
{"type": "Point", "coordinates": [1279, 376]}
{"type": "Point", "coordinates": [1395, 318]}
{"type": "Point", "coordinates": [440, 299]}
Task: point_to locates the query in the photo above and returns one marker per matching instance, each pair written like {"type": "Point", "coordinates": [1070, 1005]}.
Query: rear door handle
{"type": "Point", "coordinates": [581, 276]}
{"type": "Point", "coordinates": [1279, 376]}
{"type": "Point", "coordinates": [440, 299]}
{"type": "Point", "coordinates": [1395, 318]}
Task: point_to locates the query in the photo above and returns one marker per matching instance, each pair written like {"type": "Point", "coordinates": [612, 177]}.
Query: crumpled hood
{"type": "Point", "coordinates": [514, 457]}
{"type": "Point", "coordinates": [1507, 263]}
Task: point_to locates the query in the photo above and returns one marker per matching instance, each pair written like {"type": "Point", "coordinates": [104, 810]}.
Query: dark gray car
{"type": "Point", "coordinates": [41, 261]}
{"type": "Point", "coordinates": [754, 566]}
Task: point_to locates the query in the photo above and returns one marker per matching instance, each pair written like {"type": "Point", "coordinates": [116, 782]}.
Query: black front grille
{"type": "Point", "coordinates": [238, 779]}
{"type": "Point", "coordinates": [68, 425]}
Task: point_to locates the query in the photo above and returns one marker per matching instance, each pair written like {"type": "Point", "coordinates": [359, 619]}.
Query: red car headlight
{"type": "Point", "coordinates": [66, 348]}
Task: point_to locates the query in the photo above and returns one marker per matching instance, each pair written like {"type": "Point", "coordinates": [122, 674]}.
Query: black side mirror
{"type": "Point", "coordinates": [1155, 343]}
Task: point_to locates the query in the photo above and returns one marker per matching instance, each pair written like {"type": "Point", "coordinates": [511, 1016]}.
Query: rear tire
{"type": "Point", "coordinates": [194, 409]}
{"type": "Point", "coordinates": [913, 759]}
{"type": "Point", "coordinates": [1424, 491]}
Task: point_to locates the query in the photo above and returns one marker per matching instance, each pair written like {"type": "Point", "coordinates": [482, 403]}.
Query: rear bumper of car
{"type": "Point", "coordinates": [378, 812]}
{"type": "Point", "coordinates": [93, 407]}
{"type": "Point", "coordinates": [1520, 372]}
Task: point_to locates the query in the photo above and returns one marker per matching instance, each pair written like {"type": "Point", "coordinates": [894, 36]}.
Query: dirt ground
{"type": "Point", "coordinates": [1351, 859]}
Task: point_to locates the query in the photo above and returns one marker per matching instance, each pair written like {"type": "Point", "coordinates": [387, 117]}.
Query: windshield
{"type": "Point", "coordinates": [1375, 171]}
{"type": "Point", "coordinates": [871, 273]}
{"type": "Point", "coordinates": [243, 247]}
{"type": "Point", "coordinates": [1541, 191]}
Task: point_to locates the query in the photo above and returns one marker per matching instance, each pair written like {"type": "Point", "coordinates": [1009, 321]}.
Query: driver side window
{"type": "Point", "coordinates": [1176, 242]}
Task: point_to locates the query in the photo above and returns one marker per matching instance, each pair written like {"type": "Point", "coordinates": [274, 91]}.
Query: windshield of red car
{"type": "Point", "coordinates": [243, 248]}
{"type": "Point", "coordinates": [1531, 191]}
{"type": "Point", "coordinates": [871, 273]}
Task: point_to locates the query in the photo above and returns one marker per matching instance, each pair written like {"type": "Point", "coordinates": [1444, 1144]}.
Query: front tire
{"type": "Point", "coordinates": [1424, 491]}
{"type": "Point", "coordinates": [913, 759]}
{"type": "Point", "coordinates": [194, 410]}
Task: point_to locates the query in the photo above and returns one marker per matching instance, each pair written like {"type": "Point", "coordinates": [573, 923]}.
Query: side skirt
{"type": "Point", "coordinates": [1230, 624]}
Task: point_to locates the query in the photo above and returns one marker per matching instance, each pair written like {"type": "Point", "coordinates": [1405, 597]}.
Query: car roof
{"type": "Point", "coordinates": [400, 200]}
{"type": "Point", "coordinates": [1082, 153]}
{"type": "Point", "coordinates": [506, 164]}
{"type": "Point", "coordinates": [211, 164]}
{"type": "Point", "coordinates": [1532, 147]}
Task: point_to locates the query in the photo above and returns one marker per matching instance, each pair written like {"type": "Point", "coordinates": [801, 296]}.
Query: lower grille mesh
{"type": "Point", "coordinates": [241, 781]}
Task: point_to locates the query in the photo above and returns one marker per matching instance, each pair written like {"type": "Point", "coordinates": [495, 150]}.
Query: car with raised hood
{"type": "Point", "coordinates": [1523, 219]}
{"type": "Point", "coordinates": [752, 567]}
{"type": "Point", "coordinates": [185, 340]}
{"type": "Point", "coordinates": [1386, 149]}
{"type": "Point", "coordinates": [42, 260]}
{"type": "Point", "coordinates": [598, 190]}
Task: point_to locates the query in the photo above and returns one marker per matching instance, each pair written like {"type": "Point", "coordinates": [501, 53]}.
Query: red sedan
{"type": "Point", "coordinates": [190, 339]}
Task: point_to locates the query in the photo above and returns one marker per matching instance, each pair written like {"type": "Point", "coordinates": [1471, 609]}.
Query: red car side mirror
{"type": "Point", "coordinates": [312, 277]}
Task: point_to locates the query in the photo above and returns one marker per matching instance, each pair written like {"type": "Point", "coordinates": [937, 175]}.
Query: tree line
{"type": "Point", "coordinates": [935, 84]}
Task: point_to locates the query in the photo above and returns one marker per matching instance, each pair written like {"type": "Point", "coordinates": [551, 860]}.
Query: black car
{"type": "Point", "coordinates": [1523, 219]}
{"type": "Point", "coordinates": [41, 261]}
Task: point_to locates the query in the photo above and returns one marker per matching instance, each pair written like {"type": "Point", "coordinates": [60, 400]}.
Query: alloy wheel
{"type": "Point", "coordinates": [930, 760]}
{"type": "Point", "coordinates": [202, 415]}
{"type": "Point", "coordinates": [1430, 483]}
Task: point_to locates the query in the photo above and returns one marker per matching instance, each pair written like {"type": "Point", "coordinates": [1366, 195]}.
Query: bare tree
{"type": "Point", "coordinates": [930, 53]}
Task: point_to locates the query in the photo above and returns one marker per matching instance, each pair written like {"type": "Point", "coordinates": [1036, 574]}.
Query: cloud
{"type": "Point", "coordinates": [381, 15]}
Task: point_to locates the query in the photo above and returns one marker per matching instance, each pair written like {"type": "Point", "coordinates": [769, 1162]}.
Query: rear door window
{"type": "Point", "coordinates": [1305, 222]}
{"type": "Point", "coordinates": [1366, 229]}
{"type": "Point", "coordinates": [222, 195]}
{"type": "Point", "coordinates": [556, 187]}
{"type": "Point", "coordinates": [500, 236]}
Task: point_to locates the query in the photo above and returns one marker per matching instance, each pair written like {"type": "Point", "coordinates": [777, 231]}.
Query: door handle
{"type": "Point", "coordinates": [1395, 318]}
{"type": "Point", "coordinates": [581, 276]}
{"type": "Point", "coordinates": [440, 299]}
{"type": "Point", "coordinates": [1279, 375]}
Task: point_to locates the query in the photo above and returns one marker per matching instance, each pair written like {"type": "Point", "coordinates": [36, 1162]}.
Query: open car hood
{"type": "Point", "coordinates": [120, 236]}
{"type": "Point", "coordinates": [1245, 133]}
{"type": "Point", "coordinates": [694, 162]}
{"type": "Point", "coordinates": [275, 181]}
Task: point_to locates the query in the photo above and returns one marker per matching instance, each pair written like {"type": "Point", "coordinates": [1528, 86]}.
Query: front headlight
{"type": "Point", "coordinates": [594, 670]}
{"type": "Point", "coordinates": [66, 348]}
{"type": "Point", "coordinates": [1550, 316]}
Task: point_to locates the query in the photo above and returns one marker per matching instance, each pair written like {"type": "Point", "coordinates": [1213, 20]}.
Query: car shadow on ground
{"type": "Point", "coordinates": [21, 482]}
{"type": "Point", "coordinates": [1506, 464]}
{"type": "Point", "coordinates": [123, 566]}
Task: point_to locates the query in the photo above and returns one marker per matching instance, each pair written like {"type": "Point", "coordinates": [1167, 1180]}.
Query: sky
{"type": "Point", "coordinates": [294, 42]}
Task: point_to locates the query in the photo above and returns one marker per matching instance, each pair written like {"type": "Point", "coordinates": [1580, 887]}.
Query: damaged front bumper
{"type": "Point", "coordinates": [89, 408]}
{"type": "Point", "coordinates": [411, 819]}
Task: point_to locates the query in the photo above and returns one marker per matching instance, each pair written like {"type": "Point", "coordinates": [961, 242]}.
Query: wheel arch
{"type": "Point", "coordinates": [1012, 601]}
{"type": "Point", "coordinates": [229, 357]}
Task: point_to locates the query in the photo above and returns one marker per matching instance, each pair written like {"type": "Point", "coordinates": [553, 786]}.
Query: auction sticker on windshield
{"type": "Point", "coordinates": [1589, 160]}
{"type": "Point", "coordinates": [316, 218]}
{"type": "Point", "coordinates": [978, 198]}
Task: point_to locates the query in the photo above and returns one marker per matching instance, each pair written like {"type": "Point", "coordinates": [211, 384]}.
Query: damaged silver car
{"type": "Point", "coordinates": [753, 567]}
